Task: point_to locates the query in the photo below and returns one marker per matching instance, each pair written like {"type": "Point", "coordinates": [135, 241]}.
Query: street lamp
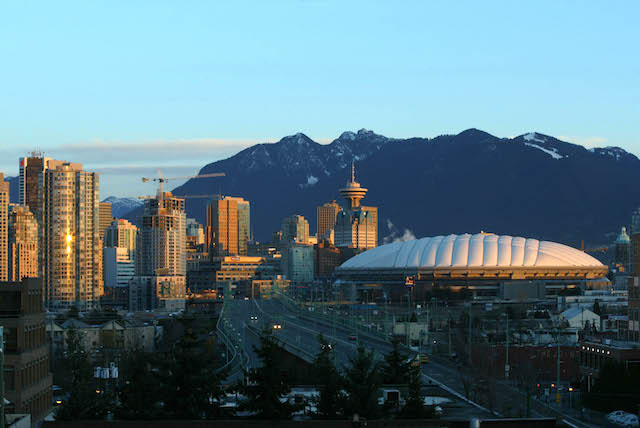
{"type": "Point", "coordinates": [570, 398]}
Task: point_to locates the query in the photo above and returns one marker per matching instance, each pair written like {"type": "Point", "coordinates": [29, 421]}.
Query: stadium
{"type": "Point", "coordinates": [484, 264]}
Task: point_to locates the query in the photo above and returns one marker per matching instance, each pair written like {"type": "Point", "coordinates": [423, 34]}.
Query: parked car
{"type": "Point", "coordinates": [624, 419]}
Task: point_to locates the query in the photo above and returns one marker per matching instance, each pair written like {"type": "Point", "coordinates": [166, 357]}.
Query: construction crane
{"type": "Point", "coordinates": [161, 180]}
{"type": "Point", "coordinates": [592, 250]}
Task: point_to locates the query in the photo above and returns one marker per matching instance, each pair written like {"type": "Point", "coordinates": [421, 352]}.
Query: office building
{"type": "Point", "coordinates": [105, 218]}
{"type": "Point", "coordinates": [119, 268]}
{"type": "Point", "coordinates": [157, 292]}
{"type": "Point", "coordinates": [195, 232]}
{"type": "Point", "coordinates": [27, 381]}
{"type": "Point", "coordinates": [23, 243]}
{"type": "Point", "coordinates": [123, 234]}
{"type": "Point", "coordinates": [4, 224]}
{"type": "Point", "coordinates": [244, 225]}
{"type": "Point", "coordinates": [295, 229]}
{"type": "Point", "coordinates": [70, 237]}
{"type": "Point", "coordinates": [356, 226]}
{"type": "Point", "coordinates": [297, 263]}
{"type": "Point", "coordinates": [326, 218]}
{"type": "Point", "coordinates": [326, 258]}
{"type": "Point", "coordinates": [222, 227]}
{"type": "Point", "coordinates": [209, 275]}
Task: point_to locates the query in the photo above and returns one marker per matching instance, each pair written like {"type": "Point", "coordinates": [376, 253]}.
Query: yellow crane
{"type": "Point", "coordinates": [161, 180]}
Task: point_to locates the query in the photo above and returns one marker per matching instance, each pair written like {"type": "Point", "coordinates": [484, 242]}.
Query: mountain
{"type": "Point", "coordinates": [533, 185]}
{"type": "Point", "coordinates": [120, 207]}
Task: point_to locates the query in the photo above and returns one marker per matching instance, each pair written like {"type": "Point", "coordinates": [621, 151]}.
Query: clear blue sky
{"type": "Point", "coordinates": [126, 86]}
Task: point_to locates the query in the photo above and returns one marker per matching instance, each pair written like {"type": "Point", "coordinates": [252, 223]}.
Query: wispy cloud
{"type": "Point", "coordinates": [396, 236]}
{"type": "Point", "coordinates": [588, 142]}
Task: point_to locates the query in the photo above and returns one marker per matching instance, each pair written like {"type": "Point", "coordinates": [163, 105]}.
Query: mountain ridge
{"type": "Point", "coordinates": [532, 185]}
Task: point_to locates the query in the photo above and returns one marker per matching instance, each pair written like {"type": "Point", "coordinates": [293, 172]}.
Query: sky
{"type": "Point", "coordinates": [126, 87]}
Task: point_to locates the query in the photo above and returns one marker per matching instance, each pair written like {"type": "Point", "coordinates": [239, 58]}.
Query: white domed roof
{"type": "Point", "coordinates": [480, 250]}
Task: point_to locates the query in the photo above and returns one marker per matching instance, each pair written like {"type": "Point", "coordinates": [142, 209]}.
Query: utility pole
{"type": "Point", "coordinates": [558, 368]}
{"type": "Point", "coordinates": [506, 364]}
{"type": "Point", "coordinates": [2, 421]}
{"type": "Point", "coordinates": [470, 360]}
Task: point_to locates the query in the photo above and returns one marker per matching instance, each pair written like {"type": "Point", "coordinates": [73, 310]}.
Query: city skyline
{"type": "Point", "coordinates": [143, 97]}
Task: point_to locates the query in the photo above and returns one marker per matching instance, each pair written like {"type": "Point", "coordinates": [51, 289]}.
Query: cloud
{"type": "Point", "coordinates": [588, 142]}
{"type": "Point", "coordinates": [395, 236]}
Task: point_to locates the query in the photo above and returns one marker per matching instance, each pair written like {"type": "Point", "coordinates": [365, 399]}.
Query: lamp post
{"type": "Point", "coordinates": [570, 398]}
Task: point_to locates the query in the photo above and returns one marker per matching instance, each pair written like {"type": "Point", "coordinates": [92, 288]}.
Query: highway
{"type": "Point", "coordinates": [299, 334]}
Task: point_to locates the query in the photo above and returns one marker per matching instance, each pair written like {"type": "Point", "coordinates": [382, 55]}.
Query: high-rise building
{"type": "Point", "coordinates": [23, 243]}
{"type": "Point", "coordinates": [31, 170]}
{"type": "Point", "coordinates": [195, 230]}
{"type": "Point", "coordinates": [121, 233]}
{"type": "Point", "coordinates": [119, 270]}
{"type": "Point", "coordinates": [244, 225]}
{"type": "Point", "coordinates": [161, 257]}
{"type": "Point", "coordinates": [27, 381]}
{"type": "Point", "coordinates": [70, 237]}
{"type": "Point", "coordinates": [356, 226]}
{"type": "Point", "coordinates": [326, 217]}
{"type": "Point", "coordinates": [161, 239]}
{"type": "Point", "coordinates": [4, 222]}
{"type": "Point", "coordinates": [297, 262]}
{"type": "Point", "coordinates": [326, 258]}
{"type": "Point", "coordinates": [295, 229]}
{"type": "Point", "coordinates": [623, 250]}
{"type": "Point", "coordinates": [222, 227]}
{"type": "Point", "coordinates": [105, 217]}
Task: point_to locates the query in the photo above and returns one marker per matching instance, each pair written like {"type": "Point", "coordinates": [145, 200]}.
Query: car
{"type": "Point", "coordinates": [254, 318]}
{"type": "Point", "coordinates": [353, 337]}
{"type": "Point", "coordinates": [623, 418]}
{"type": "Point", "coordinates": [438, 411]}
{"type": "Point", "coordinates": [277, 326]}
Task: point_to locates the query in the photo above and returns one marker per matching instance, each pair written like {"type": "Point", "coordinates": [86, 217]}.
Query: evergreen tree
{"type": "Point", "coordinates": [414, 407]}
{"type": "Point", "coordinates": [395, 368]}
{"type": "Point", "coordinates": [269, 386]}
{"type": "Point", "coordinates": [616, 388]}
{"type": "Point", "coordinates": [361, 384]}
{"type": "Point", "coordinates": [85, 401]}
{"type": "Point", "coordinates": [327, 379]}
{"type": "Point", "coordinates": [414, 317]}
{"type": "Point", "coordinates": [596, 307]}
{"type": "Point", "coordinates": [192, 386]}
{"type": "Point", "coordinates": [140, 392]}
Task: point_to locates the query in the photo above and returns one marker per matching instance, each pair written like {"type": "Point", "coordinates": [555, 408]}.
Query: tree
{"type": "Point", "coordinates": [615, 388]}
{"type": "Point", "coordinates": [596, 307]}
{"type": "Point", "coordinates": [327, 379]}
{"type": "Point", "coordinates": [414, 407]}
{"type": "Point", "coordinates": [269, 386]}
{"type": "Point", "coordinates": [361, 384]}
{"type": "Point", "coordinates": [395, 367]}
{"type": "Point", "coordinates": [140, 393]}
{"type": "Point", "coordinates": [414, 317]}
{"type": "Point", "coordinates": [192, 386]}
{"type": "Point", "coordinates": [85, 401]}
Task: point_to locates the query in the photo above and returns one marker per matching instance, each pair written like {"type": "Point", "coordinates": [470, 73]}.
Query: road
{"type": "Point", "coordinates": [300, 331]}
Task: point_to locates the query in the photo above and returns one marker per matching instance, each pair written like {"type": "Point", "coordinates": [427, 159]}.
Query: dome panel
{"type": "Point", "coordinates": [480, 250]}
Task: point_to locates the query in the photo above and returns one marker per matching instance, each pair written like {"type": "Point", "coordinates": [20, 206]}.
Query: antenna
{"type": "Point", "coordinates": [353, 172]}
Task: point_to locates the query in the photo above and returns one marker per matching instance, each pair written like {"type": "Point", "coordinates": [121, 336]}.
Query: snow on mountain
{"type": "Point", "coordinates": [552, 152]}
{"type": "Point", "coordinates": [120, 207]}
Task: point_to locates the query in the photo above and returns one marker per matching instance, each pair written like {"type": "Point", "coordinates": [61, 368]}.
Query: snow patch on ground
{"type": "Point", "coordinates": [532, 136]}
{"type": "Point", "coordinates": [551, 152]}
